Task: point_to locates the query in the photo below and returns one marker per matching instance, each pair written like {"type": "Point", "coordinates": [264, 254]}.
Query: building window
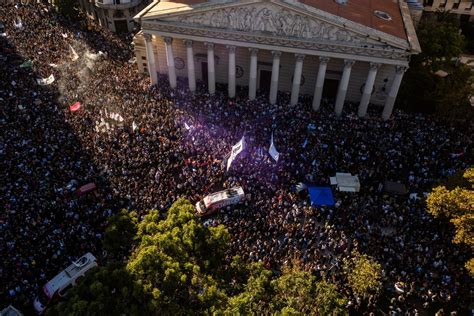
{"type": "Point", "coordinates": [442, 4]}
{"type": "Point", "coordinates": [456, 5]}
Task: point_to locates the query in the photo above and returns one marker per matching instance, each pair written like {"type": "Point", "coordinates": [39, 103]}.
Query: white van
{"type": "Point", "coordinates": [214, 201]}
{"type": "Point", "coordinates": [62, 282]}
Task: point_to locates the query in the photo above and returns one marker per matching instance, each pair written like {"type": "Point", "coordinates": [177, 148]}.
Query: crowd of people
{"type": "Point", "coordinates": [146, 146]}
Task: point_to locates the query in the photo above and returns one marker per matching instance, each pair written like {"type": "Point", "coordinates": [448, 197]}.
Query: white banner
{"type": "Point", "coordinates": [236, 149]}
{"type": "Point", "coordinates": [45, 81]}
{"type": "Point", "coordinates": [272, 150]}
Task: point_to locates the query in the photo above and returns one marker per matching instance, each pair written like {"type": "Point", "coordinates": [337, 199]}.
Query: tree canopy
{"type": "Point", "coordinates": [364, 275]}
{"type": "Point", "coordinates": [457, 206]}
{"type": "Point", "coordinates": [424, 88]}
{"type": "Point", "coordinates": [179, 266]}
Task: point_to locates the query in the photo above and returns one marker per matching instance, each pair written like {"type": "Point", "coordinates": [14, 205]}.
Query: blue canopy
{"type": "Point", "coordinates": [321, 196]}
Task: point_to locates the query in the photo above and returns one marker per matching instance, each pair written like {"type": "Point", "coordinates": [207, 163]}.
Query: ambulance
{"type": "Point", "coordinates": [58, 286]}
{"type": "Point", "coordinates": [214, 201]}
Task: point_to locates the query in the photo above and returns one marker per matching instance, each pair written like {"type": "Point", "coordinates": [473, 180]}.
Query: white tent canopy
{"type": "Point", "coordinates": [345, 182]}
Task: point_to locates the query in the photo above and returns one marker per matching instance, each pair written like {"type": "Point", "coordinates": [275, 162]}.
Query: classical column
{"type": "Point", "coordinates": [392, 95]}
{"type": "Point", "coordinates": [253, 73]}
{"type": "Point", "coordinates": [191, 70]}
{"type": "Point", "coordinates": [231, 79]}
{"type": "Point", "coordinates": [369, 86]}
{"type": "Point", "coordinates": [342, 89]}
{"type": "Point", "coordinates": [170, 62]}
{"type": "Point", "coordinates": [211, 72]}
{"type": "Point", "coordinates": [318, 89]}
{"type": "Point", "coordinates": [150, 58]}
{"type": "Point", "coordinates": [295, 89]}
{"type": "Point", "coordinates": [275, 76]}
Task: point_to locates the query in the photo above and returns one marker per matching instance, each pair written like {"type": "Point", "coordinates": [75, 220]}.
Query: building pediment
{"type": "Point", "coordinates": [277, 19]}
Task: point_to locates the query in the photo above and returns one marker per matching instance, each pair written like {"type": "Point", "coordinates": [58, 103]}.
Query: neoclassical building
{"type": "Point", "coordinates": [356, 50]}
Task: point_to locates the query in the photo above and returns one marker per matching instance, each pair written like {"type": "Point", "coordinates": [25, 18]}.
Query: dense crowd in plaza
{"type": "Point", "coordinates": [145, 147]}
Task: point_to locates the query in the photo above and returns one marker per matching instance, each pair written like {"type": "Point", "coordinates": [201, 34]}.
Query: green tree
{"type": "Point", "coordinates": [422, 89]}
{"type": "Point", "coordinates": [364, 275]}
{"type": "Point", "coordinates": [257, 294]}
{"type": "Point", "coordinates": [440, 39]}
{"type": "Point", "coordinates": [294, 292]}
{"type": "Point", "coordinates": [177, 260]}
{"type": "Point", "coordinates": [457, 206]}
{"type": "Point", "coordinates": [108, 290]}
{"type": "Point", "coordinates": [328, 300]}
{"type": "Point", "coordinates": [120, 234]}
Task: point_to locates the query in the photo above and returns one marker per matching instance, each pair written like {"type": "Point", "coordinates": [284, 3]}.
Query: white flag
{"type": "Point", "coordinates": [45, 81]}
{"type": "Point", "coordinates": [74, 56]}
{"type": "Point", "coordinates": [186, 126]}
{"type": "Point", "coordinates": [272, 150]}
{"type": "Point", "coordinates": [236, 149]}
{"type": "Point", "coordinates": [134, 126]}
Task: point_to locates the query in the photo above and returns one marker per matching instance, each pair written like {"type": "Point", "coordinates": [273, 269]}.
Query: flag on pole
{"type": "Point", "coordinates": [272, 150]}
{"type": "Point", "coordinates": [186, 126]}
{"type": "Point", "coordinates": [236, 149]}
{"type": "Point", "coordinates": [134, 126]}
{"type": "Point", "coordinates": [74, 107]}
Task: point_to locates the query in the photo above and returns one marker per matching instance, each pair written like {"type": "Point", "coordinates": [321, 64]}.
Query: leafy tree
{"type": "Point", "coordinates": [178, 266]}
{"type": "Point", "coordinates": [257, 294]}
{"type": "Point", "coordinates": [457, 206]}
{"type": "Point", "coordinates": [295, 292]}
{"type": "Point", "coordinates": [108, 290]}
{"type": "Point", "coordinates": [328, 300]}
{"type": "Point", "coordinates": [421, 89]}
{"type": "Point", "coordinates": [120, 233]}
{"type": "Point", "coordinates": [364, 275]}
{"type": "Point", "coordinates": [177, 259]}
{"type": "Point", "coordinates": [440, 39]}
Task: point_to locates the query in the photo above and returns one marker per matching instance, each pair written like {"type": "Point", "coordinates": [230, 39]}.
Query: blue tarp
{"type": "Point", "coordinates": [321, 196]}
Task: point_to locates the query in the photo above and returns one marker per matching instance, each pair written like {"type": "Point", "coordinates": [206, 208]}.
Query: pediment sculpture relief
{"type": "Point", "coordinates": [276, 21]}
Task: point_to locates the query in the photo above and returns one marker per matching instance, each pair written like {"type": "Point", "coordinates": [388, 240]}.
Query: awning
{"type": "Point", "coordinates": [321, 196]}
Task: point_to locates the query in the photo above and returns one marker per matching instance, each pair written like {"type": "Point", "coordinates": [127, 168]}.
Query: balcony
{"type": "Point", "coordinates": [117, 4]}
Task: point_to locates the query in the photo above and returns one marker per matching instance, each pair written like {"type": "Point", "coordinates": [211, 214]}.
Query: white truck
{"type": "Point", "coordinates": [58, 286]}
{"type": "Point", "coordinates": [214, 201]}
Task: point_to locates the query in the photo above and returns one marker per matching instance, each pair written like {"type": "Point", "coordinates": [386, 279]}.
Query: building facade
{"type": "Point", "coordinates": [116, 15]}
{"type": "Point", "coordinates": [321, 48]}
{"type": "Point", "coordinates": [463, 8]}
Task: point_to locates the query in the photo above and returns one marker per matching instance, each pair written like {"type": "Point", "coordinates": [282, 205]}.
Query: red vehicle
{"type": "Point", "coordinates": [87, 188]}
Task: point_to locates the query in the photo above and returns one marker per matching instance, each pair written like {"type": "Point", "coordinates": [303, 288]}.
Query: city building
{"type": "Point", "coordinates": [463, 8]}
{"type": "Point", "coordinates": [116, 15]}
{"type": "Point", "coordinates": [344, 50]}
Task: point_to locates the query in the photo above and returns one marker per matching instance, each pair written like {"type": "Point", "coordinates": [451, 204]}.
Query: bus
{"type": "Point", "coordinates": [214, 201]}
{"type": "Point", "coordinates": [58, 286]}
